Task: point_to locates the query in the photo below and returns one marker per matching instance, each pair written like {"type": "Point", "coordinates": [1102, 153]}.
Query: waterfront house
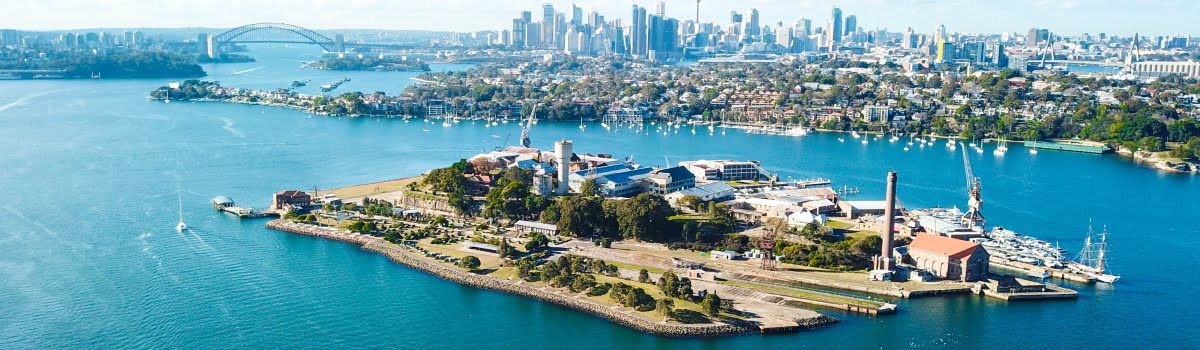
{"type": "Point", "coordinates": [288, 199]}
{"type": "Point", "coordinates": [948, 258]}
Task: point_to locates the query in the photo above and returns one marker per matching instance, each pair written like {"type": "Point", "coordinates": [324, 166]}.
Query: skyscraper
{"type": "Point", "coordinates": [851, 25]}
{"type": "Point", "coordinates": [547, 34]}
{"type": "Point", "coordinates": [834, 32]}
{"type": "Point", "coordinates": [637, 35]}
{"type": "Point", "coordinates": [735, 17]}
{"type": "Point", "coordinates": [660, 9]}
{"type": "Point", "coordinates": [754, 28]}
{"type": "Point", "coordinates": [518, 32]}
{"type": "Point", "coordinates": [576, 15]}
{"type": "Point", "coordinates": [804, 27]}
{"type": "Point", "coordinates": [1000, 58]}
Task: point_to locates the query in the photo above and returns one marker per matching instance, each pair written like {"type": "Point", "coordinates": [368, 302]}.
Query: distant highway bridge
{"type": "Point", "coordinates": [283, 33]}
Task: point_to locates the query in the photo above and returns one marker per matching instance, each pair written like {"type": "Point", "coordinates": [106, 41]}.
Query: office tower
{"type": "Point", "coordinates": [560, 30]}
{"type": "Point", "coordinates": [754, 28]}
{"type": "Point", "coordinates": [527, 16]}
{"type": "Point", "coordinates": [518, 32]}
{"type": "Point", "coordinates": [835, 27]}
{"type": "Point", "coordinates": [804, 27]}
{"type": "Point", "coordinates": [637, 31]}
{"type": "Point", "coordinates": [533, 34]}
{"type": "Point", "coordinates": [980, 52]}
{"type": "Point", "coordinates": [1037, 37]}
{"type": "Point", "coordinates": [735, 17]}
{"type": "Point", "coordinates": [910, 39]}
{"type": "Point", "coordinates": [547, 34]}
{"type": "Point", "coordinates": [999, 57]}
{"type": "Point", "coordinates": [851, 25]}
{"type": "Point", "coordinates": [660, 9]}
{"type": "Point", "coordinates": [576, 15]}
{"type": "Point", "coordinates": [783, 37]}
{"type": "Point", "coordinates": [940, 35]}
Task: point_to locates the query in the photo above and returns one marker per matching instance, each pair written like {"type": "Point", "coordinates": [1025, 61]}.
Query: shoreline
{"type": "Point", "coordinates": [617, 315]}
{"type": "Point", "coordinates": [1147, 162]}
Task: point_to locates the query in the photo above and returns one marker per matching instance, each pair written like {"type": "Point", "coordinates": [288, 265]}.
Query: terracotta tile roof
{"type": "Point", "coordinates": [954, 248]}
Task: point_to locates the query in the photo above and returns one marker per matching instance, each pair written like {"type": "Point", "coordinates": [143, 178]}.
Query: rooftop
{"type": "Point", "coordinates": [951, 247]}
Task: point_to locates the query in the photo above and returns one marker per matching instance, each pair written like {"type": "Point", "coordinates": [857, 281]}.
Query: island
{"type": "Point", "coordinates": [19, 63]}
{"type": "Point", "coordinates": [669, 250]}
{"type": "Point", "coordinates": [380, 63]}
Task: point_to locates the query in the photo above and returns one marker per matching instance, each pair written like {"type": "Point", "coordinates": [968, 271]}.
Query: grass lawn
{"type": "Point", "coordinates": [838, 224]}
{"type": "Point", "coordinates": [803, 294]}
{"type": "Point", "coordinates": [374, 188]}
{"type": "Point", "coordinates": [486, 261]}
{"type": "Point", "coordinates": [693, 217]}
{"type": "Point", "coordinates": [635, 267]}
{"type": "Point", "coordinates": [653, 291]}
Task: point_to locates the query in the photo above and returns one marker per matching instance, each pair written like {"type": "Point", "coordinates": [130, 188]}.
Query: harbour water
{"type": "Point", "coordinates": [89, 257]}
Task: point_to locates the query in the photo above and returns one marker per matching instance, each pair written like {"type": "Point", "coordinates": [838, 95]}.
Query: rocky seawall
{"type": "Point", "coordinates": [615, 314]}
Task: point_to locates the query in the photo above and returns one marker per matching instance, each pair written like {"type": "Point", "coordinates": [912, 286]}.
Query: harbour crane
{"type": "Point", "coordinates": [973, 217]}
{"type": "Point", "coordinates": [528, 124]}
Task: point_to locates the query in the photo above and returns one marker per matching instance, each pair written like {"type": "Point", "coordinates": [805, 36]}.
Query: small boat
{"type": "Point", "coordinates": [425, 130]}
{"type": "Point", "coordinates": [1033, 151]}
{"type": "Point", "coordinates": [1040, 274]}
{"type": "Point", "coordinates": [864, 141]}
{"type": "Point", "coordinates": [841, 139]}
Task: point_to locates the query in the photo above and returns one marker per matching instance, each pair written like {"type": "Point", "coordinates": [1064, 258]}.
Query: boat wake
{"type": "Point", "coordinates": [245, 71]}
{"type": "Point", "coordinates": [228, 126]}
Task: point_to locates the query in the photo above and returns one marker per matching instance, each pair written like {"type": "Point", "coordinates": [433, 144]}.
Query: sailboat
{"type": "Point", "coordinates": [1001, 148]}
{"type": "Point", "coordinates": [581, 126]}
{"type": "Point", "coordinates": [1091, 260]}
{"type": "Point", "coordinates": [181, 226]}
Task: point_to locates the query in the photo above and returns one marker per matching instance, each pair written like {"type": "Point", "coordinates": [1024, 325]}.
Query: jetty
{"type": "Point", "coordinates": [226, 204]}
{"type": "Point", "coordinates": [1070, 146]}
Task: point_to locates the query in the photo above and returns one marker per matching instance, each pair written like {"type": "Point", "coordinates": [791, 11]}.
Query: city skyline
{"type": "Point", "coordinates": [1065, 17]}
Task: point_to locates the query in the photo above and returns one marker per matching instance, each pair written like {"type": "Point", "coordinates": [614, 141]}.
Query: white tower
{"type": "Point", "coordinates": [563, 149]}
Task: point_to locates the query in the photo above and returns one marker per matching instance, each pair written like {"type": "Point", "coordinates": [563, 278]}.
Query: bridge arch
{"type": "Point", "coordinates": [282, 33]}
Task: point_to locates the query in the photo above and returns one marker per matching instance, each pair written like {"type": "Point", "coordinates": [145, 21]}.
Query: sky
{"type": "Point", "coordinates": [1067, 17]}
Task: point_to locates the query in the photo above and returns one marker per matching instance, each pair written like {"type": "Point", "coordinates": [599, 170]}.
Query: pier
{"type": "Point", "coordinates": [225, 204]}
{"type": "Point", "coordinates": [1070, 146]}
{"type": "Point", "coordinates": [1062, 274]}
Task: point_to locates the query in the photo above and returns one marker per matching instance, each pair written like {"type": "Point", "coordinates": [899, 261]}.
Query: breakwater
{"type": "Point", "coordinates": [615, 314]}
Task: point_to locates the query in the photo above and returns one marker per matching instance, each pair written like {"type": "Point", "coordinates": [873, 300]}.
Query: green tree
{"type": "Point", "coordinates": [665, 308]}
{"type": "Point", "coordinates": [589, 188]}
{"type": "Point", "coordinates": [688, 201]}
{"type": "Point", "coordinates": [469, 262]}
{"type": "Point", "coordinates": [646, 217]}
{"type": "Point", "coordinates": [644, 276]}
{"type": "Point", "coordinates": [536, 241]}
{"type": "Point", "coordinates": [711, 304]}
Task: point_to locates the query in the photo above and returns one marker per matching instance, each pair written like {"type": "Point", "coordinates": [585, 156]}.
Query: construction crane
{"type": "Point", "coordinates": [528, 124]}
{"type": "Point", "coordinates": [973, 217]}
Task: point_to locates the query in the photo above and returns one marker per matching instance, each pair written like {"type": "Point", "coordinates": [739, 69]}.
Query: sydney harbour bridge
{"type": "Point", "coordinates": [283, 33]}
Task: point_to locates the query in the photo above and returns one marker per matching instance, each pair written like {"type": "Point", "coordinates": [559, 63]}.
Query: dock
{"type": "Point", "coordinates": [225, 204]}
{"type": "Point", "coordinates": [1015, 289]}
{"type": "Point", "coordinates": [1070, 146]}
{"type": "Point", "coordinates": [1062, 274]}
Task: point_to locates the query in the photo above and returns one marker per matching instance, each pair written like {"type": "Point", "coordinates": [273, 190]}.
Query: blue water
{"type": "Point", "coordinates": [89, 257]}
